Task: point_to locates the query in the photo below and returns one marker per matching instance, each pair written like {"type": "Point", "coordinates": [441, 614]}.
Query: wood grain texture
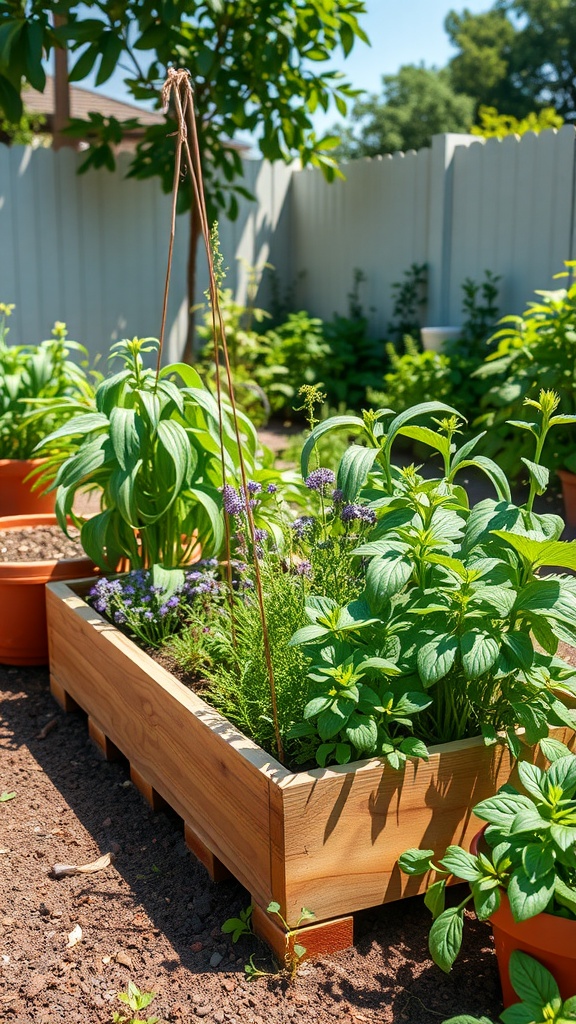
{"type": "Point", "coordinates": [327, 839]}
{"type": "Point", "coordinates": [344, 830]}
{"type": "Point", "coordinates": [215, 778]}
{"type": "Point", "coordinates": [318, 939]}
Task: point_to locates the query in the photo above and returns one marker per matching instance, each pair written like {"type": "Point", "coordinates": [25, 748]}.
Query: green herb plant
{"type": "Point", "coordinates": [409, 300]}
{"type": "Point", "coordinates": [295, 952]}
{"type": "Point", "coordinates": [533, 351]}
{"type": "Point", "coordinates": [5, 797]}
{"type": "Point", "coordinates": [237, 927]}
{"type": "Point", "coordinates": [40, 388]}
{"type": "Point", "coordinates": [541, 1001]}
{"type": "Point", "coordinates": [530, 855]}
{"type": "Point", "coordinates": [151, 448]}
{"type": "Point", "coordinates": [443, 629]}
{"type": "Point", "coordinates": [136, 1001]}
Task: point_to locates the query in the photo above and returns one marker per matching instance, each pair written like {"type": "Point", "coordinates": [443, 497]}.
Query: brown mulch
{"type": "Point", "coordinates": [154, 917]}
{"type": "Point", "coordinates": [38, 543]}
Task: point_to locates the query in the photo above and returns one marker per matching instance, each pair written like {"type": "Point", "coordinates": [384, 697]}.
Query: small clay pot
{"type": "Point", "coordinates": [549, 939]}
{"type": "Point", "coordinates": [16, 495]}
{"type": "Point", "coordinates": [23, 633]}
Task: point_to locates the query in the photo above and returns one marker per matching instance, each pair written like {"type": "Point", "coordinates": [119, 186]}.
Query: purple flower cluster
{"type": "Point", "coordinates": [303, 526]}
{"type": "Point", "coordinates": [320, 479]}
{"type": "Point", "coordinates": [232, 501]}
{"type": "Point", "coordinates": [303, 568]}
{"type": "Point", "coordinates": [145, 609]}
{"type": "Point", "coordinates": [358, 512]}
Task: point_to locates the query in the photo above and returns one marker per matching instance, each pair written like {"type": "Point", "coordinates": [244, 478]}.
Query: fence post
{"type": "Point", "coordinates": [440, 223]}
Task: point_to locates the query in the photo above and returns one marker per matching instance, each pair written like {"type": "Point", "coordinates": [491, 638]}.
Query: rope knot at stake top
{"type": "Point", "coordinates": [178, 86]}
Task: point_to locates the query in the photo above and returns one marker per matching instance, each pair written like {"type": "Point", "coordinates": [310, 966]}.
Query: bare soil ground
{"type": "Point", "coordinates": [154, 917]}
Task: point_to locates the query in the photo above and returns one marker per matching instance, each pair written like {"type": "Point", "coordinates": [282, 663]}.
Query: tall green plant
{"type": "Point", "coordinates": [452, 599]}
{"type": "Point", "coordinates": [40, 388]}
{"type": "Point", "coordinates": [152, 450]}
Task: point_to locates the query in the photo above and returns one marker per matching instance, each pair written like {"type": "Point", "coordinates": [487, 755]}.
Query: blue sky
{"type": "Point", "coordinates": [400, 31]}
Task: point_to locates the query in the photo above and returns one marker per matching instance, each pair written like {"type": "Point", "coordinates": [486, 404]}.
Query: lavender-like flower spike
{"type": "Point", "coordinates": [337, 496]}
{"type": "Point", "coordinates": [320, 479]}
{"type": "Point", "coordinates": [271, 488]}
{"type": "Point", "coordinates": [303, 568]}
{"type": "Point", "coordinates": [232, 501]}
{"type": "Point", "coordinates": [254, 487]}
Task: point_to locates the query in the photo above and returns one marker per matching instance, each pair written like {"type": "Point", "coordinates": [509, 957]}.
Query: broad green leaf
{"type": "Point", "coordinates": [565, 895]}
{"type": "Point", "coordinates": [423, 409]}
{"type": "Point", "coordinates": [539, 552]}
{"type": "Point", "coordinates": [528, 899]}
{"type": "Point", "coordinates": [435, 898]}
{"type": "Point", "coordinates": [445, 937]}
{"type": "Point", "coordinates": [429, 437]}
{"type": "Point", "coordinates": [517, 650]}
{"type": "Point", "coordinates": [531, 981]}
{"type": "Point", "coordinates": [413, 747]}
{"type": "Point", "coordinates": [563, 774]}
{"type": "Point", "coordinates": [124, 436]}
{"type": "Point", "coordinates": [492, 471]}
{"type": "Point", "coordinates": [461, 864]}
{"type": "Point", "coordinates": [170, 580]}
{"type": "Point", "coordinates": [554, 749]}
{"type": "Point", "coordinates": [502, 808]}
{"type": "Point", "coordinates": [78, 425]}
{"type": "Point", "coordinates": [354, 467]}
{"type": "Point", "coordinates": [416, 862]}
{"type": "Point", "coordinates": [362, 732]}
{"type": "Point", "coordinates": [436, 658]}
{"type": "Point", "coordinates": [479, 652]}
{"type": "Point", "coordinates": [539, 475]}
{"type": "Point", "coordinates": [307, 634]}
{"type": "Point", "coordinates": [386, 576]}
{"type": "Point", "coordinates": [352, 423]}
{"type": "Point", "coordinates": [537, 861]}
{"type": "Point", "coordinates": [532, 778]}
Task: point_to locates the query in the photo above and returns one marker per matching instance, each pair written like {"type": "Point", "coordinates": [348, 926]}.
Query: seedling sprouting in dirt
{"type": "Point", "coordinates": [5, 797]}
{"type": "Point", "coordinates": [295, 952]}
{"type": "Point", "coordinates": [136, 1001]}
{"type": "Point", "coordinates": [239, 926]}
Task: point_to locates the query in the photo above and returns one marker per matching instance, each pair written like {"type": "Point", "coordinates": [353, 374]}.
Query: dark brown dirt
{"type": "Point", "coordinates": [154, 917]}
{"type": "Point", "coordinates": [38, 544]}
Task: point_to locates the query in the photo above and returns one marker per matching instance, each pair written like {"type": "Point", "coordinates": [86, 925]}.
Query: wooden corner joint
{"type": "Point", "coordinates": [317, 938]}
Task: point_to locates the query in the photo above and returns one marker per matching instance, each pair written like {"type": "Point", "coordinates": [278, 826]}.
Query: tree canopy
{"type": "Point", "coordinates": [519, 56]}
{"type": "Point", "coordinates": [416, 103]}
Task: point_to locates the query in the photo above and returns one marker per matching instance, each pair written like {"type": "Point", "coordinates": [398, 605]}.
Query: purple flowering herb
{"type": "Point", "coordinates": [338, 496]}
{"type": "Point", "coordinates": [261, 535]}
{"type": "Point", "coordinates": [232, 501]}
{"type": "Point", "coordinates": [271, 489]}
{"type": "Point", "coordinates": [254, 487]}
{"type": "Point", "coordinates": [358, 512]}
{"type": "Point", "coordinates": [303, 568]}
{"type": "Point", "coordinates": [320, 479]}
{"type": "Point", "coordinates": [303, 525]}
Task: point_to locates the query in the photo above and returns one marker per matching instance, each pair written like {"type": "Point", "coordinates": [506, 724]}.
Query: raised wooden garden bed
{"type": "Point", "coordinates": [327, 840]}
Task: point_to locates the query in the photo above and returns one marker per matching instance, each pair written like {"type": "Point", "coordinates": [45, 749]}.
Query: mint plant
{"type": "Point", "coordinates": [541, 1001]}
{"type": "Point", "coordinates": [530, 854]}
{"type": "Point", "coordinates": [135, 1000]}
{"type": "Point", "coordinates": [452, 598]}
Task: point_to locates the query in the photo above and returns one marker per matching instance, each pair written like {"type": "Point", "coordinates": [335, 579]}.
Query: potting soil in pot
{"type": "Point", "coordinates": [38, 544]}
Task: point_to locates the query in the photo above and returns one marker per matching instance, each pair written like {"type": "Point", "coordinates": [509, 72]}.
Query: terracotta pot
{"type": "Point", "coordinates": [16, 496]}
{"type": "Point", "coordinates": [23, 634]}
{"type": "Point", "coordinates": [568, 481]}
{"type": "Point", "coordinates": [550, 940]}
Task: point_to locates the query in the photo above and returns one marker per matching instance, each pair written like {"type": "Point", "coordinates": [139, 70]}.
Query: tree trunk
{"type": "Point", "coordinates": [61, 92]}
{"type": "Point", "coordinates": [195, 234]}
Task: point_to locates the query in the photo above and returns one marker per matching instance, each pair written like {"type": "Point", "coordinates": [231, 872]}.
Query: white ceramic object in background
{"type": "Point", "coordinates": [433, 338]}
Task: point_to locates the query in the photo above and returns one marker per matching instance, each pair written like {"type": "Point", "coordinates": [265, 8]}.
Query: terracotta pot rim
{"type": "Point", "coordinates": [39, 570]}
{"type": "Point", "coordinates": [503, 917]}
{"type": "Point", "coordinates": [567, 475]}
{"type": "Point", "coordinates": [6, 463]}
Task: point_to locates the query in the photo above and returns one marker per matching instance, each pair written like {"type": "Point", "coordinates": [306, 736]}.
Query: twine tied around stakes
{"type": "Point", "coordinates": [178, 88]}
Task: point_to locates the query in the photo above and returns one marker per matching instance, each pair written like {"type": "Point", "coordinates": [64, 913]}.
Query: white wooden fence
{"type": "Point", "coordinates": [91, 249]}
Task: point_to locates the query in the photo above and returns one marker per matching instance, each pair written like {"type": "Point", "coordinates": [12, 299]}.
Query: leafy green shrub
{"type": "Point", "coordinates": [530, 842]}
{"type": "Point", "coordinates": [152, 449]}
{"type": "Point", "coordinates": [40, 388]}
{"type": "Point", "coordinates": [536, 350]}
{"type": "Point", "coordinates": [409, 298]}
{"type": "Point", "coordinates": [414, 377]}
{"type": "Point", "coordinates": [539, 992]}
